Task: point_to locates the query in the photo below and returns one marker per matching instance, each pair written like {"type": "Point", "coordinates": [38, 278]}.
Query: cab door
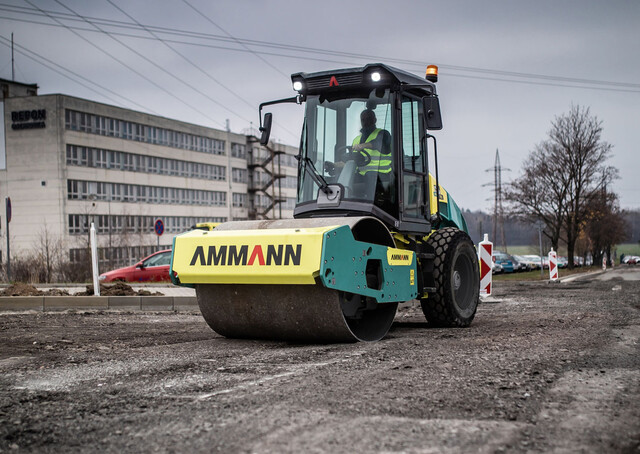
{"type": "Point", "coordinates": [414, 162]}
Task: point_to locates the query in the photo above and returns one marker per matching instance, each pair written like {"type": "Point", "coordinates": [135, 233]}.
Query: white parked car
{"type": "Point", "coordinates": [534, 259]}
{"type": "Point", "coordinates": [528, 262]}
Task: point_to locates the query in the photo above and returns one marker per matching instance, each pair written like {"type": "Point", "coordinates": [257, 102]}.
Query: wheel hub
{"type": "Point", "coordinates": [457, 280]}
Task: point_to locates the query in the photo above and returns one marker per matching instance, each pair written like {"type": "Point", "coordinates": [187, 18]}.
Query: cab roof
{"type": "Point", "coordinates": [337, 79]}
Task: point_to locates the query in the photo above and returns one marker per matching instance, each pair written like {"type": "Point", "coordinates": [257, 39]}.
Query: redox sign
{"type": "Point", "coordinates": [485, 249]}
{"type": "Point", "coordinates": [553, 265]}
{"type": "Point", "coordinates": [158, 227]}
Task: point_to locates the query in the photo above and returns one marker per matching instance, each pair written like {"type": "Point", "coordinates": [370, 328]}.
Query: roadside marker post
{"type": "Point", "coordinates": [604, 262]}
{"type": "Point", "coordinates": [94, 260]}
{"type": "Point", "coordinates": [485, 250]}
{"type": "Point", "coordinates": [553, 265]}
{"type": "Point", "coordinates": [7, 205]}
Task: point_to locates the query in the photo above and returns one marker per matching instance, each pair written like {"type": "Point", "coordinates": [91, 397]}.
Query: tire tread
{"type": "Point", "coordinates": [438, 308]}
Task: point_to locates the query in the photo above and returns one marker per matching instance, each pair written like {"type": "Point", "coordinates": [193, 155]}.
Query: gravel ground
{"type": "Point", "coordinates": [548, 368]}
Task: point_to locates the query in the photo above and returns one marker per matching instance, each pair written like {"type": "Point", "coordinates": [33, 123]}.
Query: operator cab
{"type": "Point", "coordinates": [363, 149]}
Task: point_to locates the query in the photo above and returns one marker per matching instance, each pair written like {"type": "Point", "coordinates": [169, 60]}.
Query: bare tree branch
{"type": "Point", "coordinates": [562, 176]}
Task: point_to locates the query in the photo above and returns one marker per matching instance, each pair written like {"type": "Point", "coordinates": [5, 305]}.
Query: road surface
{"type": "Point", "coordinates": [624, 272]}
{"type": "Point", "coordinates": [550, 368]}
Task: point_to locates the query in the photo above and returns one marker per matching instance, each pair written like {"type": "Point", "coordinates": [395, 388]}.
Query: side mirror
{"type": "Point", "coordinates": [140, 265]}
{"type": "Point", "coordinates": [431, 106]}
{"type": "Point", "coordinates": [265, 129]}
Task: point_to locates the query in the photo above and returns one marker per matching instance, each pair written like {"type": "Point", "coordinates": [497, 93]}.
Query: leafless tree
{"type": "Point", "coordinates": [48, 251]}
{"type": "Point", "coordinates": [538, 194]}
{"type": "Point", "coordinates": [605, 225]}
{"type": "Point", "coordinates": [562, 176]}
{"type": "Point", "coordinates": [578, 134]}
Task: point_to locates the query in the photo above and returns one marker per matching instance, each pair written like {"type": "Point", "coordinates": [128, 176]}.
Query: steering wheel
{"type": "Point", "coordinates": [362, 157]}
{"type": "Point", "coordinates": [365, 157]}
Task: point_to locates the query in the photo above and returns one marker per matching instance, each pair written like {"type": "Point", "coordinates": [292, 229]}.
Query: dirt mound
{"type": "Point", "coordinates": [117, 289]}
{"type": "Point", "coordinates": [148, 293]}
{"type": "Point", "coordinates": [21, 289]}
{"type": "Point", "coordinates": [56, 292]}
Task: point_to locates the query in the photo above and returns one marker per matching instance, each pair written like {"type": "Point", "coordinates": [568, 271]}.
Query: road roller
{"type": "Point", "coordinates": [372, 226]}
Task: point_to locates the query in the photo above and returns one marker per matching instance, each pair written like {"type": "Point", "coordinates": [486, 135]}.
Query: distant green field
{"type": "Point", "coordinates": [629, 248]}
{"type": "Point", "coordinates": [537, 276]}
{"type": "Point", "coordinates": [526, 250]}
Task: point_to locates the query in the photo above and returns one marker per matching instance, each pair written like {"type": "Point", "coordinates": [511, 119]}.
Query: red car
{"type": "Point", "coordinates": [154, 268]}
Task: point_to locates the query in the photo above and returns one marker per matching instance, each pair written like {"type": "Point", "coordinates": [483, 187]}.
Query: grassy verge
{"type": "Point", "coordinates": [535, 275]}
{"type": "Point", "coordinates": [627, 248]}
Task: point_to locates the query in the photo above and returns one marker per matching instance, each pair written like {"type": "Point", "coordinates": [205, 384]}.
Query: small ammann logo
{"type": "Point", "coordinates": [399, 257]}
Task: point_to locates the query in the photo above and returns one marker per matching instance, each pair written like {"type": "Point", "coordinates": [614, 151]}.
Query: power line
{"type": "Point", "coordinates": [543, 84]}
{"type": "Point", "coordinates": [133, 102]}
{"type": "Point", "coordinates": [166, 71]}
{"type": "Point", "coordinates": [328, 60]}
{"type": "Point", "coordinates": [152, 33]}
{"type": "Point", "coordinates": [289, 47]}
{"type": "Point", "coordinates": [59, 70]}
{"type": "Point", "coordinates": [161, 69]}
{"type": "Point", "coordinates": [498, 211]}
{"type": "Point", "coordinates": [234, 38]}
{"type": "Point", "coordinates": [126, 65]}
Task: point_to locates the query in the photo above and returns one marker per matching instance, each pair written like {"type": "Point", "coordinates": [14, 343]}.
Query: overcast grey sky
{"type": "Point", "coordinates": [593, 40]}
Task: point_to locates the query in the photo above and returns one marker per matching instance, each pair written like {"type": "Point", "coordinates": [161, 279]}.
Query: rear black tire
{"type": "Point", "coordinates": [457, 280]}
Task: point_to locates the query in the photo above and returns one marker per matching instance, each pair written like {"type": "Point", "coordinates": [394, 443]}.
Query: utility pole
{"type": "Point", "coordinates": [13, 63]}
{"type": "Point", "coordinates": [498, 213]}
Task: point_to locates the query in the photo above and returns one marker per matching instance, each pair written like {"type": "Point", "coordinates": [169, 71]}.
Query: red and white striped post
{"type": "Point", "coordinates": [604, 262]}
{"type": "Point", "coordinates": [485, 250]}
{"type": "Point", "coordinates": [553, 265]}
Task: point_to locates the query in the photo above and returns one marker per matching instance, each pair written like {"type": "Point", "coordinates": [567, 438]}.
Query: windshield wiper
{"type": "Point", "coordinates": [316, 176]}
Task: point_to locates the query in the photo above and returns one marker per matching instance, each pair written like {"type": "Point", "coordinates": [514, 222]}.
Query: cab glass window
{"type": "Point", "coordinates": [412, 155]}
{"type": "Point", "coordinates": [413, 160]}
{"type": "Point", "coordinates": [332, 127]}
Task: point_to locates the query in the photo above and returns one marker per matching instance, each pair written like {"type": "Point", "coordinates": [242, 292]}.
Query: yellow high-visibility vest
{"type": "Point", "coordinates": [380, 163]}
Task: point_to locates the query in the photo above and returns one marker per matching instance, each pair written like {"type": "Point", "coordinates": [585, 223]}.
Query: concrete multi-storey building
{"type": "Point", "coordinates": [70, 161]}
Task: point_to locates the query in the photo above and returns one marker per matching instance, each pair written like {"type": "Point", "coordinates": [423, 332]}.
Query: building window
{"type": "Point", "coordinates": [119, 224]}
{"type": "Point", "coordinates": [120, 160]}
{"type": "Point", "coordinates": [289, 182]}
{"type": "Point", "coordinates": [239, 200]}
{"type": "Point", "coordinates": [238, 175]}
{"type": "Point", "coordinates": [74, 189]}
{"type": "Point", "coordinates": [96, 124]}
{"type": "Point", "coordinates": [289, 204]}
{"type": "Point", "coordinates": [121, 192]}
{"type": "Point", "coordinates": [239, 150]}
